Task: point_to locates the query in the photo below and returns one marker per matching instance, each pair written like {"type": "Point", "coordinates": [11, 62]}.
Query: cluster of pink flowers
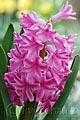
{"type": "Point", "coordinates": [39, 62]}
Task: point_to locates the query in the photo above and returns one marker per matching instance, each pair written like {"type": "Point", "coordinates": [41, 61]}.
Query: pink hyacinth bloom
{"type": "Point", "coordinates": [46, 85]}
{"type": "Point", "coordinates": [46, 33]}
{"type": "Point", "coordinates": [35, 65]}
{"type": "Point", "coordinates": [32, 45]}
{"type": "Point", "coordinates": [48, 101]}
{"type": "Point", "coordinates": [64, 13]}
{"type": "Point", "coordinates": [30, 20]}
{"type": "Point", "coordinates": [39, 62]}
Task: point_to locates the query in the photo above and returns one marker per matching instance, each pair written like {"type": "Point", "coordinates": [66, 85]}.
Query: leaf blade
{"type": "Point", "coordinates": [2, 110]}
{"type": "Point", "coordinates": [10, 110]}
{"type": "Point", "coordinates": [7, 42]}
{"type": "Point", "coordinates": [3, 60]}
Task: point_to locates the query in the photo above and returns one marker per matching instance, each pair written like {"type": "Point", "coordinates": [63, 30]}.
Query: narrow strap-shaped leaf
{"type": "Point", "coordinates": [22, 31]}
{"type": "Point", "coordinates": [3, 60]}
{"type": "Point", "coordinates": [7, 42]}
{"type": "Point", "coordinates": [28, 111]}
{"type": "Point", "coordinates": [57, 107]}
{"type": "Point", "coordinates": [10, 110]}
{"type": "Point", "coordinates": [2, 110]}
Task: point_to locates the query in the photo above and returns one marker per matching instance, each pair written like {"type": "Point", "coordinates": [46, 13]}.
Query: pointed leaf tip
{"type": "Point", "coordinates": [3, 60]}
{"type": "Point", "coordinates": [7, 42]}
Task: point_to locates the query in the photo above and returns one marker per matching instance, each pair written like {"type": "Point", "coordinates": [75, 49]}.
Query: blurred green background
{"type": "Point", "coordinates": [10, 12]}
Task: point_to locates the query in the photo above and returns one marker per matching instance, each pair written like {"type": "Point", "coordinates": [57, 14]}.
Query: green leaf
{"type": "Point", "coordinates": [3, 60]}
{"type": "Point", "coordinates": [10, 110]}
{"type": "Point", "coordinates": [57, 107]}
{"type": "Point", "coordinates": [7, 42]}
{"type": "Point", "coordinates": [2, 110]}
{"type": "Point", "coordinates": [22, 31]}
{"type": "Point", "coordinates": [28, 111]}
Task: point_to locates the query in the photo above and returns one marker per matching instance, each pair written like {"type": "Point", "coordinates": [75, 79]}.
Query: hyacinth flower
{"type": "Point", "coordinates": [27, 62]}
{"type": "Point", "coordinates": [64, 13]}
{"type": "Point", "coordinates": [31, 60]}
{"type": "Point", "coordinates": [38, 66]}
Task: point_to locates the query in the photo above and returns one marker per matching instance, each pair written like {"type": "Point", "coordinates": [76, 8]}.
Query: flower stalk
{"type": "Point", "coordinates": [28, 111]}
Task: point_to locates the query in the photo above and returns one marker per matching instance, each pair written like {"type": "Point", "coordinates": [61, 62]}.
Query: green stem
{"type": "Point", "coordinates": [28, 111]}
